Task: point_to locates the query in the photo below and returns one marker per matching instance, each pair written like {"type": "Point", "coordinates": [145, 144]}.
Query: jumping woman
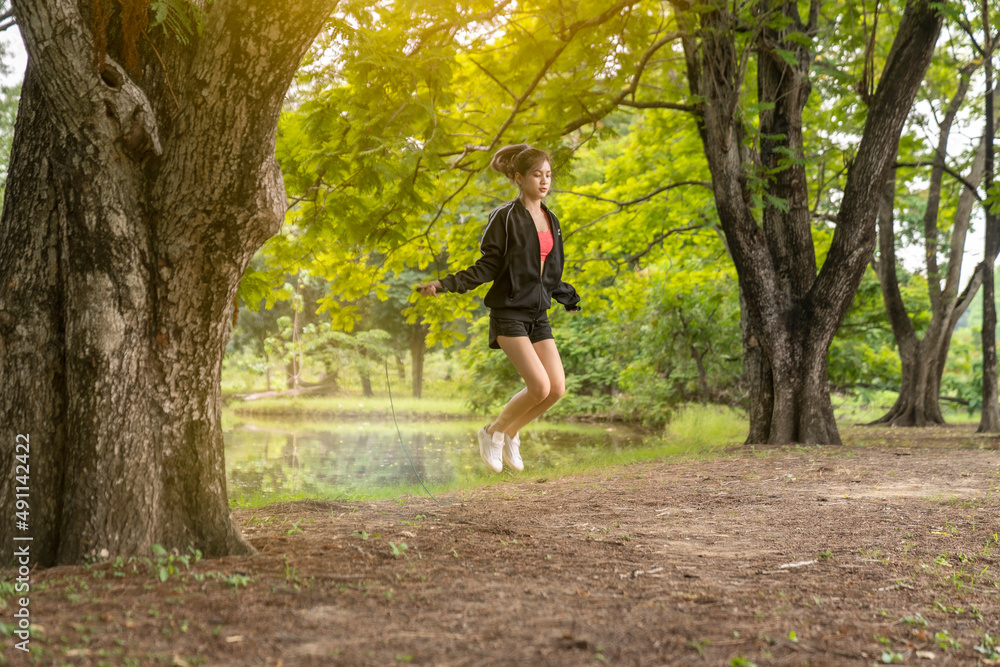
{"type": "Point", "coordinates": [522, 253]}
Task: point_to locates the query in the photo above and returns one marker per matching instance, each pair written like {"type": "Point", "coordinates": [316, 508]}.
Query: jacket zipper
{"type": "Point", "coordinates": [541, 267]}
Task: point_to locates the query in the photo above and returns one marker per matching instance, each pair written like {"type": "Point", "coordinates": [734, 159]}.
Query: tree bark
{"type": "Point", "coordinates": [697, 356]}
{"type": "Point", "coordinates": [793, 311]}
{"type": "Point", "coordinates": [913, 407]}
{"type": "Point", "coordinates": [758, 380]}
{"type": "Point", "coordinates": [989, 421]}
{"type": "Point", "coordinates": [133, 207]}
{"type": "Point", "coordinates": [418, 346]}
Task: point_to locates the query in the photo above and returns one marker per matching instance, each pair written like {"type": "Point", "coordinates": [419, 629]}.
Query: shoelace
{"type": "Point", "coordinates": [496, 450]}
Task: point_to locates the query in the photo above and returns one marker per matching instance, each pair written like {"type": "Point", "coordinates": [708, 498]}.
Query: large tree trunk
{"type": "Point", "coordinates": [133, 207]}
{"type": "Point", "coordinates": [793, 310]}
{"type": "Point", "coordinates": [757, 377]}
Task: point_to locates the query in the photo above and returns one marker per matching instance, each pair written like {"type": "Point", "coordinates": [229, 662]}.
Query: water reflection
{"type": "Point", "coordinates": [330, 459]}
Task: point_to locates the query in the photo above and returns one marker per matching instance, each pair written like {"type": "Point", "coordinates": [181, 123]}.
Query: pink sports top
{"type": "Point", "coordinates": [545, 239]}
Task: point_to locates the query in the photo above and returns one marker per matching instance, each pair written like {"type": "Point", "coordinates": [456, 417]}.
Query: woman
{"type": "Point", "coordinates": [522, 254]}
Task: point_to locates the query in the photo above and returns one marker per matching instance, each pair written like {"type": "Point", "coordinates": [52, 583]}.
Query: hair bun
{"type": "Point", "coordinates": [503, 159]}
{"type": "Point", "coordinates": [517, 159]}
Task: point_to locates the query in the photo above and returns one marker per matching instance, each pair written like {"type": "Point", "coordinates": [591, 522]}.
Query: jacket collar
{"type": "Point", "coordinates": [520, 204]}
{"type": "Point", "coordinates": [553, 219]}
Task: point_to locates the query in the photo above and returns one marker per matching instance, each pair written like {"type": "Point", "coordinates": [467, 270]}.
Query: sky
{"type": "Point", "coordinates": [18, 58]}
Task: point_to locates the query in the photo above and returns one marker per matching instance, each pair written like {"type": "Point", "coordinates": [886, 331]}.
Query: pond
{"type": "Point", "coordinates": [271, 458]}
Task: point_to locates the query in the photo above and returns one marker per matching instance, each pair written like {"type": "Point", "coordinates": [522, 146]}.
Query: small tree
{"type": "Point", "coordinates": [923, 359]}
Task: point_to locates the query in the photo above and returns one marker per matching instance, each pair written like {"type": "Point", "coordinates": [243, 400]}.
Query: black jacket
{"type": "Point", "coordinates": [512, 260]}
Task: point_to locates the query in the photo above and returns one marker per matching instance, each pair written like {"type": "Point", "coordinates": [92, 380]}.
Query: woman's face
{"type": "Point", "coordinates": [535, 184]}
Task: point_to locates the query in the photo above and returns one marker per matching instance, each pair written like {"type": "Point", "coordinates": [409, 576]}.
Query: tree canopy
{"type": "Point", "coordinates": [385, 141]}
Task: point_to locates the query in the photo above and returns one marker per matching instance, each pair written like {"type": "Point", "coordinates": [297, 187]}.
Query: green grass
{"type": "Point", "coordinates": [703, 428]}
{"type": "Point", "coordinates": [866, 407]}
{"type": "Point", "coordinates": [861, 408]}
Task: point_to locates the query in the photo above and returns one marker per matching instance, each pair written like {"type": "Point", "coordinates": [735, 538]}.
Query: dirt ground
{"type": "Point", "coordinates": [849, 555]}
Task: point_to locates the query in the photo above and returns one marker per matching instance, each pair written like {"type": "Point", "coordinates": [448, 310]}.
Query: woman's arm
{"type": "Point", "coordinates": [486, 268]}
{"type": "Point", "coordinates": [567, 296]}
{"type": "Point", "coordinates": [429, 289]}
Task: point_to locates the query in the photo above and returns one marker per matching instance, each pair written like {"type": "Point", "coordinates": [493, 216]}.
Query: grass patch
{"type": "Point", "coordinates": [865, 406]}
{"type": "Point", "coordinates": [705, 428]}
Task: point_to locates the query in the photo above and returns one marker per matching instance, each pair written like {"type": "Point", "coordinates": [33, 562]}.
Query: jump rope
{"type": "Point", "coordinates": [405, 451]}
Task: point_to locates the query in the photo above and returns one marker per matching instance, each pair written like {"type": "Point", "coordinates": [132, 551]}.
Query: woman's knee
{"type": "Point", "coordinates": [539, 389]}
{"type": "Point", "coordinates": [556, 391]}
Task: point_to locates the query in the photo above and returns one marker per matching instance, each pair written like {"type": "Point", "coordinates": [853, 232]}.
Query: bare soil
{"type": "Point", "coordinates": [777, 556]}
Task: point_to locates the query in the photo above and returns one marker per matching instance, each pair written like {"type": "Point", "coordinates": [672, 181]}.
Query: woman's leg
{"type": "Point", "coordinates": [548, 355]}
{"type": "Point", "coordinates": [537, 387]}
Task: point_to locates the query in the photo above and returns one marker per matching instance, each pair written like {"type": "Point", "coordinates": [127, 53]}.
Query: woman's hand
{"type": "Point", "coordinates": [429, 289]}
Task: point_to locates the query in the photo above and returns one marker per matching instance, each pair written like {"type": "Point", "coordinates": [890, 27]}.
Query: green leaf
{"type": "Point", "coordinates": [788, 56]}
{"type": "Point", "coordinates": [799, 38]}
{"type": "Point", "coordinates": [254, 289]}
{"type": "Point", "coordinates": [777, 202]}
{"type": "Point", "coordinates": [182, 19]}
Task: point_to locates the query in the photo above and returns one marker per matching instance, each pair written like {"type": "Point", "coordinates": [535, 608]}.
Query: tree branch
{"type": "Point", "coordinates": [630, 91]}
{"type": "Point", "coordinates": [970, 33]}
{"type": "Point", "coordinates": [622, 205]}
{"type": "Point", "coordinates": [62, 54]}
{"type": "Point", "coordinates": [518, 103]}
{"type": "Point", "coordinates": [854, 237]}
{"type": "Point", "coordinates": [948, 170]}
{"type": "Point", "coordinates": [813, 24]}
{"type": "Point", "coordinates": [7, 19]}
{"type": "Point", "coordinates": [573, 30]}
{"type": "Point", "coordinates": [633, 258]}
{"type": "Point", "coordinates": [962, 220]}
{"type": "Point", "coordinates": [255, 45]}
{"type": "Point", "coordinates": [965, 299]}
{"type": "Point", "coordinates": [690, 108]}
{"type": "Point", "coordinates": [495, 80]}
{"type": "Point", "coordinates": [934, 189]}
{"type": "Point", "coordinates": [902, 326]}
{"type": "Point", "coordinates": [461, 22]}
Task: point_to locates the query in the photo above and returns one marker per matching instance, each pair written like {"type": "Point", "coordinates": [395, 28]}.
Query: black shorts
{"type": "Point", "coordinates": [536, 330]}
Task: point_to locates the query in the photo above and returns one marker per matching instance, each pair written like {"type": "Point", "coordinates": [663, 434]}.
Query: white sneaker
{"type": "Point", "coordinates": [489, 449]}
{"type": "Point", "coordinates": [512, 453]}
